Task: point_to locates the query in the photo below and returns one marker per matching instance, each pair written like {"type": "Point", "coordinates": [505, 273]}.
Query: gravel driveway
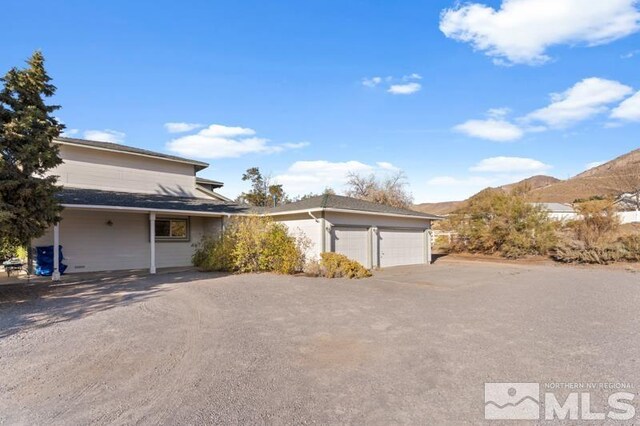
{"type": "Point", "coordinates": [410, 345]}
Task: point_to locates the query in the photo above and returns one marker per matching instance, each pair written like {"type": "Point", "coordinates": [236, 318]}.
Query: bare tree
{"type": "Point", "coordinates": [390, 190]}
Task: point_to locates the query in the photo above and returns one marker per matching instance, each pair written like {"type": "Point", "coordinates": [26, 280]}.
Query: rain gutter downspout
{"type": "Point", "coordinates": [321, 220]}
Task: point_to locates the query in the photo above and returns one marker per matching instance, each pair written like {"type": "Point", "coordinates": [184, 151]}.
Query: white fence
{"type": "Point", "coordinates": [625, 217]}
{"type": "Point", "coordinates": [628, 217]}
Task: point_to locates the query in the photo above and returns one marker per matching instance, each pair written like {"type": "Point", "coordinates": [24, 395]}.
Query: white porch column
{"type": "Point", "coordinates": [55, 276]}
{"type": "Point", "coordinates": [152, 242]}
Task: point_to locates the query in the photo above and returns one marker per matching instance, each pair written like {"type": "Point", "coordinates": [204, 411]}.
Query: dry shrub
{"type": "Point", "coordinates": [500, 222]}
{"type": "Point", "coordinates": [252, 244]}
{"type": "Point", "coordinates": [335, 265]}
{"type": "Point", "coordinates": [598, 223]}
{"type": "Point", "coordinates": [594, 237]}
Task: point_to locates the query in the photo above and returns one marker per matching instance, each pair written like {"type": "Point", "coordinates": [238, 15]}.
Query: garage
{"type": "Point", "coordinates": [352, 242]}
{"type": "Point", "coordinates": [401, 247]}
{"type": "Point", "coordinates": [376, 235]}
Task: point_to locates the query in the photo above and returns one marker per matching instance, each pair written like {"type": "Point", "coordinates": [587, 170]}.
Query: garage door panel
{"type": "Point", "coordinates": [351, 242]}
{"type": "Point", "coordinates": [401, 247]}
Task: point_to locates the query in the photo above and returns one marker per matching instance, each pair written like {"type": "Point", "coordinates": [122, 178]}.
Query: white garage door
{"type": "Point", "coordinates": [352, 242]}
{"type": "Point", "coordinates": [401, 247]}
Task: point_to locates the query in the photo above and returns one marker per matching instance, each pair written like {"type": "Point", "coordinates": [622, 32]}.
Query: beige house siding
{"type": "Point", "coordinates": [89, 244]}
{"type": "Point", "coordinates": [304, 225]}
{"type": "Point", "coordinates": [113, 171]}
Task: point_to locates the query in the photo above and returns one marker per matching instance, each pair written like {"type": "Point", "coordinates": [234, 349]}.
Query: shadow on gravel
{"type": "Point", "coordinates": [24, 306]}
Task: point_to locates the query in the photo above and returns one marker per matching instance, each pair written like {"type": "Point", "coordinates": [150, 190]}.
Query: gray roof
{"type": "Point", "coordinates": [215, 183]}
{"type": "Point", "coordinates": [331, 201]}
{"type": "Point", "coordinates": [556, 207]}
{"type": "Point", "coordinates": [94, 197]}
{"type": "Point", "coordinates": [130, 149]}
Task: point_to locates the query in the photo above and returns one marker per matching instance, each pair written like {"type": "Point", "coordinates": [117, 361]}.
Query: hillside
{"type": "Point", "coordinates": [599, 180]}
{"type": "Point", "coordinates": [603, 180]}
{"type": "Point", "coordinates": [534, 182]}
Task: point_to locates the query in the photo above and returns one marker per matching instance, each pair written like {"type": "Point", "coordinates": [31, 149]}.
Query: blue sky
{"type": "Point", "coordinates": [458, 96]}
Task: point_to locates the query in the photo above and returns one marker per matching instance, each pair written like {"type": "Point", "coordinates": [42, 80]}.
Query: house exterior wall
{"type": "Point", "coordinates": [304, 225]}
{"type": "Point", "coordinates": [89, 244]}
{"type": "Point", "coordinates": [113, 171]}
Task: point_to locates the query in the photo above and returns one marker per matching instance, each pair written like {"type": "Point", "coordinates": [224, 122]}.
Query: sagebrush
{"type": "Point", "coordinates": [594, 237]}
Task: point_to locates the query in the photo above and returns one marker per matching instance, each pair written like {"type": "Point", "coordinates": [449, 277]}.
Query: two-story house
{"type": "Point", "coordinates": [130, 208]}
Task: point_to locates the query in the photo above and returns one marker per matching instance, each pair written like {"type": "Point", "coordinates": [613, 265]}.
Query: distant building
{"type": "Point", "coordinates": [559, 211]}
{"type": "Point", "coordinates": [564, 212]}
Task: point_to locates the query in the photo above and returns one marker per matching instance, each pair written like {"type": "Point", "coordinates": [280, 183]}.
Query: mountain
{"type": "Point", "coordinates": [598, 181]}
{"type": "Point", "coordinates": [603, 180]}
{"type": "Point", "coordinates": [534, 182]}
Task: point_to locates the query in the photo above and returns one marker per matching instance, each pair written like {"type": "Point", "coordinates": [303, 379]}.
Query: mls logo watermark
{"type": "Point", "coordinates": [506, 401]}
{"type": "Point", "coordinates": [522, 401]}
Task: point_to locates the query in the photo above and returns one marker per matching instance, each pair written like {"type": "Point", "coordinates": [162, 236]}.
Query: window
{"type": "Point", "coordinates": [172, 229]}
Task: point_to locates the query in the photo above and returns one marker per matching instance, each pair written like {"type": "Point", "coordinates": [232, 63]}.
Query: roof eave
{"type": "Point", "coordinates": [199, 165]}
{"type": "Point", "coordinates": [364, 212]}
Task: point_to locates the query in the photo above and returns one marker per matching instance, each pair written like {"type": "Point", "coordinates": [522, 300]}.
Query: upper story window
{"type": "Point", "coordinates": [172, 229]}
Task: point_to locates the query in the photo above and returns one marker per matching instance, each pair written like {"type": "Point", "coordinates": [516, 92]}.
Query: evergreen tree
{"type": "Point", "coordinates": [27, 195]}
{"type": "Point", "coordinates": [263, 192]}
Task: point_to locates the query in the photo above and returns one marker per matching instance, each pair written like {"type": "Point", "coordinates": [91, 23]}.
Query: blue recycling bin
{"type": "Point", "coordinates": [44, 261]}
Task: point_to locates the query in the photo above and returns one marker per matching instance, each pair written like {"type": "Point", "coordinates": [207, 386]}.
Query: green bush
{"type": "Point", "coordinates": [251, 244]}
{"type": "Point", "coordinates": [499, 222]}
{"type": "Point", "coordinates": [214, 254]}
{"type": "Point", "coordinates": [334, 265]}
{"type": "Point", "coordinates": [10, 249]}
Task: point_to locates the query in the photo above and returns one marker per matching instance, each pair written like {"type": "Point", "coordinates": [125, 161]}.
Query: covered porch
{"type": "Point", "coordinates": [107, 231]}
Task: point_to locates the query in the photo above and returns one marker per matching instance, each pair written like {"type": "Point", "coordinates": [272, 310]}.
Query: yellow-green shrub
{"type": "Point", "coordinates": [496, 221]}
{"type": "Point", "coordinates": [334, 265]}
{"type": "Point", "coordinates": [251, 244]}
{"type": "Point", "coordinates": [214, 253]}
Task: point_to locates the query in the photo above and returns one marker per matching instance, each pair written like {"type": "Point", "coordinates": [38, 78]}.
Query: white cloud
{"type": "Point", "coordinates": [371, 82]}
{"type": "Point", "coordinates": [629, 109]}
{"type": "Point", "coordinates": [70, 132]}
{"type": "Point", "coordinates": [584, 100]}
{"type": "Point", "coordinates": [218, 141]}
{"type": "Point", "coordinates": [404, 85]}
{"type": "Point", "coordinates": [178, 127]}
{"type": "Point", "coordinates": [521, 31]}
{"type": "Point", "coordinates": [510, 165]}
{"type": "Point", "coordinates": [594, 164]}
{"type": "Point", "coordinates": [387, 166]}
{"type": "Point", "coordinates": [630, 55]}
{"type": "Point", "coordinates": [295, 145]}
{"type": "Point", "coordinates": [303, 177]}
{"type": "Point", "coordinates": [106, 135]}
{"type": "Point", "coordinates": [498, 113]}
{"type": "Point", "coordinates": [404, 89]}
{"type": "Point", "coordinates": [412, 76]}
{"type": "Point", "coordinates": [498, 130]}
